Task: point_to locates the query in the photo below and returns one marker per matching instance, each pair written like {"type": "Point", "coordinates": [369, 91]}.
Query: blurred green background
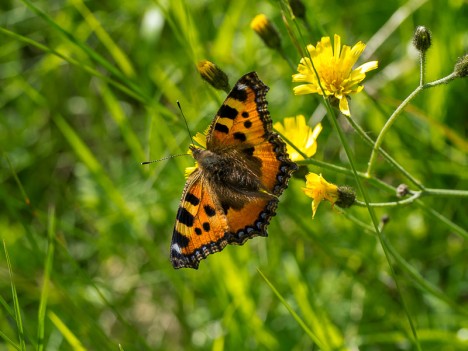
{"type": "Point", "coordinates": [89, 90]}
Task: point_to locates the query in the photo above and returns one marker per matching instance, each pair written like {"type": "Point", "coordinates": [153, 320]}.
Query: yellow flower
{"type": "Point", "coordinates": [300, 134]}
{"type": "Point", "coordinates": [334, 68]}
{"type": "Point", "coordinates": [319, 189]}
{"type": "Point", "coordinates": [200, 139]}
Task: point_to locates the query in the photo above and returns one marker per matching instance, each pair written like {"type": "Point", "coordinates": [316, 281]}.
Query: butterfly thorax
{"type": "Point", "coordinates": [231, 176]}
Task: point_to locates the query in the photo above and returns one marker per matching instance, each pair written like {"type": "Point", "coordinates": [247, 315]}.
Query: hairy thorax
{"type": "Point", "coordinates": [231, 176]}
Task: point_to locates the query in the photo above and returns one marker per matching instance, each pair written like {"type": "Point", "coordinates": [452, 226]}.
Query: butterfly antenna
{"type": "Point", "coordinates": [185, 120]}
{"type": "Point", "coordinates": [164, 158]}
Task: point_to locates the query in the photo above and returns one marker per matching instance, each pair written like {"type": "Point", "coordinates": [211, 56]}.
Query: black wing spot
{"type": "Point", "coordinates": [210, 211]}
{"type": "Point", "coordinates": [180, 239]}
{"type": "Point", "coordinates": [206, 227]}
{"type": "Point", "coordinates": [221, 128]}
{"type": "Point", "coordinates": [247, 124]}
{"type": "Point", "coordinates": [238, 94]}
{"type": "Point", "coordinates": [227, 112]}
{"type": "Point", "coordinates": [245, 114]}
{"type": "Point", "coordinates": [192, 199]}
{"type": "Point", "coordinates": [185, 217]}
{"type": "Point", "coordinates": [240, 136]}
{"type": "Point", "coordinates": [198, 231]}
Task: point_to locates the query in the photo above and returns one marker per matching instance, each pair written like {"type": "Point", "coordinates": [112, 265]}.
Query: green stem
{"type": "Point", "coordinates": [387, 157]}
{"type": "Point", "coordinates": [446, 192]}
{"type": "Point", "coordinates": [422, 63]}
{"type": "Point", "coordinates": [375, 222]}
{"type": "Point", "coordinates": [286, 58]}
{"type": "Point", "coordinates": [407, 201]}
{"type": "Point", "coordinates": [387, 126]}
{"type": "Point", "coordinates": [416, 195]}
{"type": "Point", "coordinates": [397, 112]}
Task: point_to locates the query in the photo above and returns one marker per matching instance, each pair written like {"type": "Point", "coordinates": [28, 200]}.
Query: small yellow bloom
{"type": "Point", "coordinates": [200, 139]}
{"type": "Point", "coordinates": [300, 134]}
{"type": "Point", "coordinates": [334, 68]}
{"type": "Point", "coordinates": [319, 189]}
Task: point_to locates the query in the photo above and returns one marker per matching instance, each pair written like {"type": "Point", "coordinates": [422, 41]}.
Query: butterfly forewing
{"type": "Point", "coordinates": [243, 118]}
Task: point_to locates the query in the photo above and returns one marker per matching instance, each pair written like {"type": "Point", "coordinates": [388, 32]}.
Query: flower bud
{"type": "Point", "coordinates": [385, 219]}
{"type": "Point", "coordinates": [346, 196]}
{"type": "Point", "coordinates": [266, 31]}
{"type": "Point", "coordinates": [298, 9]}
{"type": "Point", "coordinates": [213, 75]}
{"type": "Point", "coordinates": [422, 38]}
{"type": "Point", "coordinates": [461, 67]}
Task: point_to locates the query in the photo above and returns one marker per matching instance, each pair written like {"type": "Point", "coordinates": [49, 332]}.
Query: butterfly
{"type": "Point", "coordinates": [233, 193]}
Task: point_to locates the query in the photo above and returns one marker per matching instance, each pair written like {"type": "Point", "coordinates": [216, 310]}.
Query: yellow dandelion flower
{"type": "Point", "coordinates": [319, 189]}
{"type": "Point", "coordinates": [300, 134]}
{"type": "Point", "coordinates": [334, 67]}
{"type": "Point", "coordinates": [200, 139]}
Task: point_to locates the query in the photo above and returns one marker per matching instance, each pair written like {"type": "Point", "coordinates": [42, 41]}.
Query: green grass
{"type": "Point", "coordinates": [89, 90]}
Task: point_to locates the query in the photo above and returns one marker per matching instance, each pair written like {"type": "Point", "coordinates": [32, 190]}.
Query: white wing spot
{"type": "Point", "coordinates": [241, 86]}
{"type": "Point", "coordinates": [176, 248]}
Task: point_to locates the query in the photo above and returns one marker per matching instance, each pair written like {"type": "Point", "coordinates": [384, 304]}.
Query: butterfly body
{"type": "Point", "coordinates": [233, 193]}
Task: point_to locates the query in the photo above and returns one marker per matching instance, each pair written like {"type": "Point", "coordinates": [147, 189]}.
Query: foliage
{"type": "Point", "coordinates": [89, 90]}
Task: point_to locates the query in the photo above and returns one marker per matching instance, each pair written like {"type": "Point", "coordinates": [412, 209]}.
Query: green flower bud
{"type": "Point", "coordinates": [266, 31]}
{"type": "Point", "coordinates": [461, 67]}
{"type": "Point", "coordinates": [298, 9]}
{"type": "Point", "coordinates": [213, 75]}
{"type": "Point", "coordinates": [422, 38]}
{"type": "Point", "coordinates": [346, 196]}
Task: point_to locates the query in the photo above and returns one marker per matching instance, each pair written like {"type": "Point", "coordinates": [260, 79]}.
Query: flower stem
{"type": "Point", "coordinates": [286, 58]}
{"type": "Point", "coordinates": [416, 195]}
{"type": "Point", "coordinates": [387, 126]}
{"type": "Point", "coordinates": [422, 66]}
{"type": "Point", "coordinates": [390, 159]}
{"type": "Point", "coordinates": [446, 192]}
{"type": "Point", "coordinates": [407, 201]}
{"type": "Point", "coordinates": [397, 112]}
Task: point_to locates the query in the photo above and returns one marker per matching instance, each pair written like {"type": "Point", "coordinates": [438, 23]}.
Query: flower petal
{"type": "Point", "coordinates": [344, 107]}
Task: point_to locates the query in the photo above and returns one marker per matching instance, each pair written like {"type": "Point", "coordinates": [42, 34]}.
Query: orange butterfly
{"type": "Point", "coordinates": [233, 193]}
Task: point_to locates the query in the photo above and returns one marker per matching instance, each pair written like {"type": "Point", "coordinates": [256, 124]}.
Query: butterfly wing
{"type": "Point", "coordinates": [243, 123]}
{"type": "Point", "coordinates": [201, 226]}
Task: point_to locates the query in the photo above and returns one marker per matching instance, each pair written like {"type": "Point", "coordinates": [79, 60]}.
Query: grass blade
{"type": "Point", "coordinates": [46, 280]}
{"type": "Point", "coordinates": [19, 322]}
{"type": "Point", "coordinates": [66, 332]}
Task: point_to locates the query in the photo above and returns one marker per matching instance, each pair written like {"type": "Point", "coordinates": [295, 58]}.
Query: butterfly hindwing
{"type": "Point", "coordinates": [201, 226]}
